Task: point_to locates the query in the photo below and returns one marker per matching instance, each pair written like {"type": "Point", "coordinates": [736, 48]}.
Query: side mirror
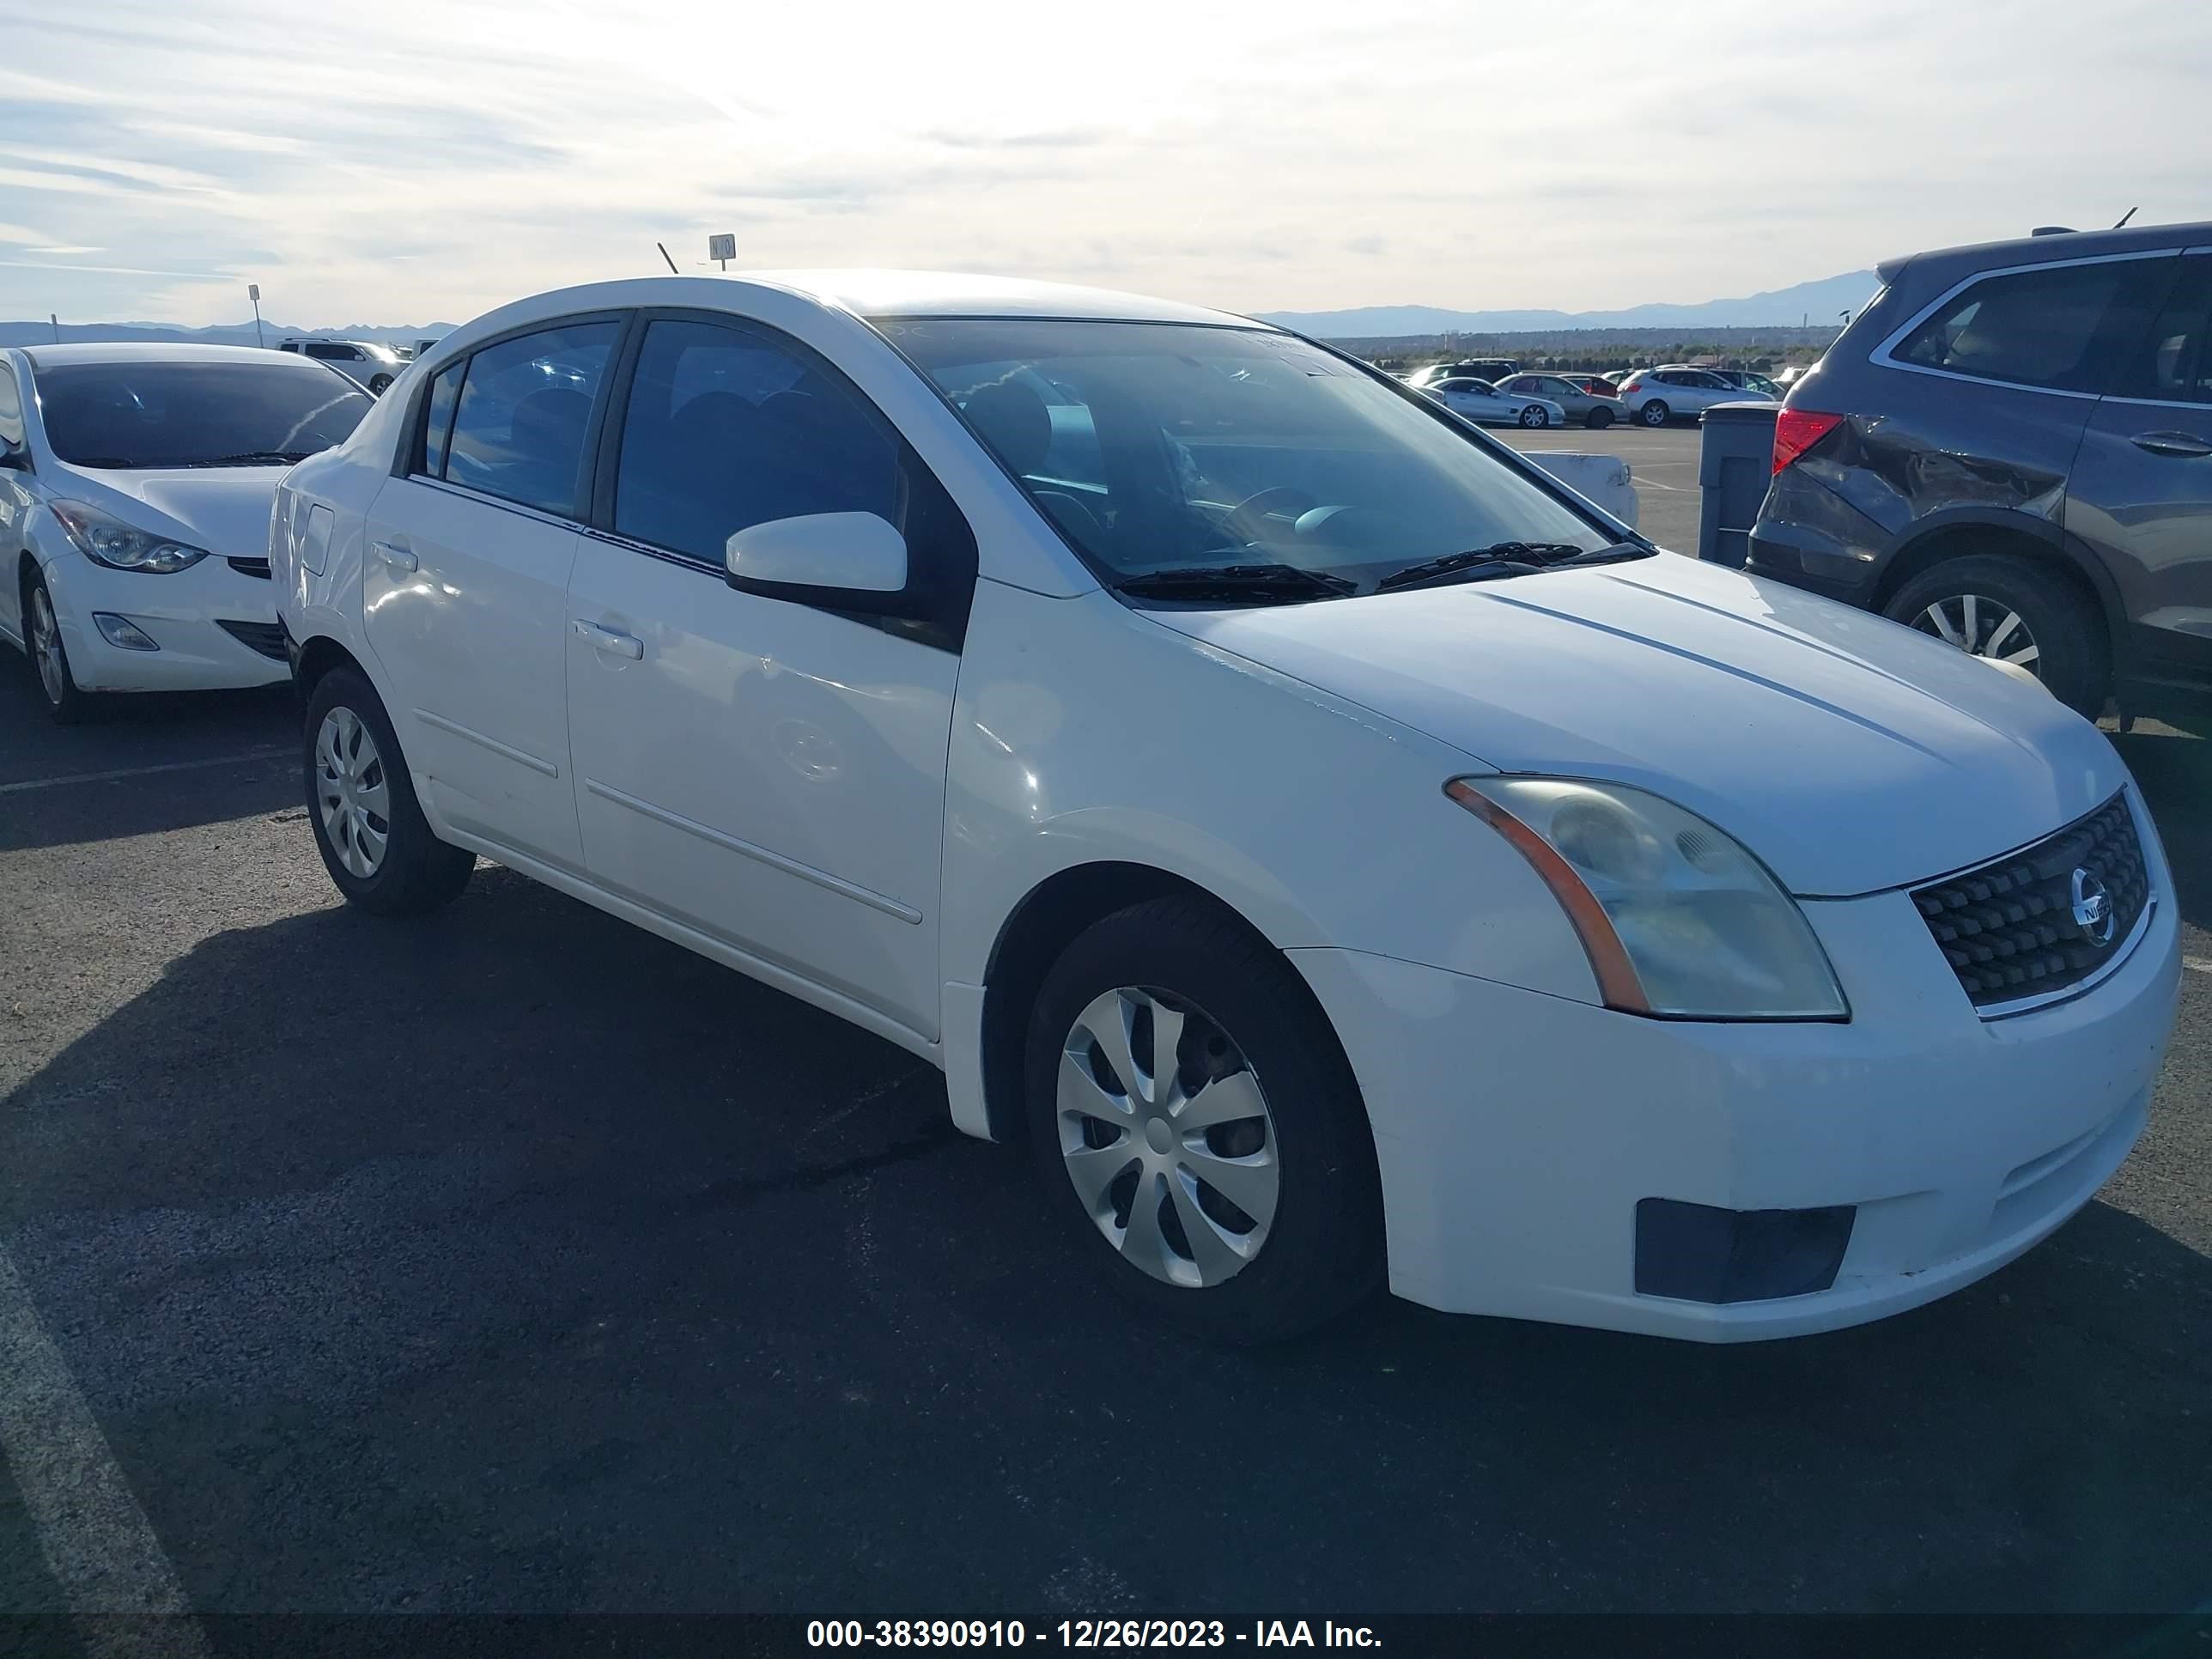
{"type": "Point", "coordinates": [840, 561]}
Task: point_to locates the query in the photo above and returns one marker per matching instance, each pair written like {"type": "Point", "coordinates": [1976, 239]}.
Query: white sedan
{"type": "Point", "coordinates": [1339, 853]}
{"type": "Point", "coordinates": [135, 488]}
{"type": "Point", "coordinates": [1478, 400]}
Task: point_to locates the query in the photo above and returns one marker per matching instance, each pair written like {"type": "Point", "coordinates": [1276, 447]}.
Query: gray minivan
{"type": "Point", "coordinates": [2011, 448]}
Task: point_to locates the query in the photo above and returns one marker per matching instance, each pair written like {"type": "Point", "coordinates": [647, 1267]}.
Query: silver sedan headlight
{"type": "Point", "coordinates": [106, 539]}
{"type": "Point", "coordinates": [1676, 918]}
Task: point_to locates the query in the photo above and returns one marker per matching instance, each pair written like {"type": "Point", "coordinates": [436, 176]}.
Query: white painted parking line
{"type": "Point", "coordinates": [141, 771]}
{"type": "Point", "coordinates": [97, 1541]}
{"type": "Point", "coordinates": [2199, 964]}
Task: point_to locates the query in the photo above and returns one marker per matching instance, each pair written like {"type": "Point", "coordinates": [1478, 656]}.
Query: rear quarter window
{"type": "Point", "coordinates": [2063, 327]}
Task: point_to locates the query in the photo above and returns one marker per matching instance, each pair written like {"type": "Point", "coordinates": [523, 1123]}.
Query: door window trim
{"type": "Point", "coordinates": [1882, 356]}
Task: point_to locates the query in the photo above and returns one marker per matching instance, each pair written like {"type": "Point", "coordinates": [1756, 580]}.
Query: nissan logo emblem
{"type": "Point", "coordinates": [2092, 908]}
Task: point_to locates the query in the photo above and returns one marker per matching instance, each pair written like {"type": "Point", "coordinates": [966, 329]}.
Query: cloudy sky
{"type": "Point", "coordinates": [422, 161]}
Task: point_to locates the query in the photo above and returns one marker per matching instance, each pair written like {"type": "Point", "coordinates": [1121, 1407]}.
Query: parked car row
{"type": "Point", "coordinates": [1651, 396]}
{"type": "Point", "coordinates": [1192, 741]}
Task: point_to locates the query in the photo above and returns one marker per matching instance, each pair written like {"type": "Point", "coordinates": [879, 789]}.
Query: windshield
{"type": "Point", "coordinates": [1160, 446]}
{"type": "Point", "coordinates": [123, 414]}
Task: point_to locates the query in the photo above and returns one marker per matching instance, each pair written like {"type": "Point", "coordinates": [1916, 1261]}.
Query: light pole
{"type": "Point", "coordinates": [254, 293]}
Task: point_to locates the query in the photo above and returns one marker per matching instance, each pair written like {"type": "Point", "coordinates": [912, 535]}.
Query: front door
{"type": "Point", "coordinates": [770, 773]}
{"type": "Point", "coordinates": [466, 585]}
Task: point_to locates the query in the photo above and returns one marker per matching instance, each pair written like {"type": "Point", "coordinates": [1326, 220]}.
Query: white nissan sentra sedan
{"type": "Point", "coordinates": [134, 489]}
{"type": "Point", "coordinates": [1344, 856]}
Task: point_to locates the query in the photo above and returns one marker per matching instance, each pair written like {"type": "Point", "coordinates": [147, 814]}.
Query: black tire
{"type": "Point", "coordinates": [380, 384]}
{"type": "Point", "coordinates": [2073, 656]}
{"type": "Point", "coordinates": [1535, 417]}
{"type": "Point", "coordinates": [1323, 1252]}
{"type": "Point", "coordinates": [1654, 413]}
{"type": "Point", "coordinates": [418, 872]}
{"type": "Point", "coordinates": [65, 704]}
{"type": "Point", "coordinates": [1598, 419]}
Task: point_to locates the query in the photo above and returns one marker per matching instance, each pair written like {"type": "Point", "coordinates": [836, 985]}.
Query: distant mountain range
{"type": "Point", "coordinates": [1820, 301]}
{"type": "Point", "coordinates": [42, 334]}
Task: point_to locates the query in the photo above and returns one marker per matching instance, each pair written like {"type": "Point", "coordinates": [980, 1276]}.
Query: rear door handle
{"type": "Point", "coordinates": [2185, 444]}
{"type": "Point", "coordinates": [397, 557]}
{"type": "Point", "coordinates": [612, 640]}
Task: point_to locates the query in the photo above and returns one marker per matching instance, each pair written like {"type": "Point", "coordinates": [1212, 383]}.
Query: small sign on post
{"type": "Point", "coordinates": [722, 249]}
{"type": "Point", "coordinates": [254, 293]}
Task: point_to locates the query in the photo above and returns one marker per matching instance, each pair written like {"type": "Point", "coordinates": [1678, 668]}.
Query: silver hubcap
{"type": "Point", "coordinates": [1982, 627]}
{"type": "Point", "coordinates": [1167, 1138]}
{"type": "Point", "coordinates": [47, 647]}
{"type": "Point", "coordinates": [352, 791]}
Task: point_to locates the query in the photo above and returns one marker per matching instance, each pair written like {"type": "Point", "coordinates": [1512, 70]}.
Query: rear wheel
{"type": "Point", "coordinates": [380, 384]}
{"type": "Point", "coordinates": [1197, 1129]}
{"type": "Point", "coordinates": [369, 826]}
{"type": "Point", "coordinates": [42, 640]}
{"type": "Point", "coordinates": [1991, 605]}
{"type": "Point", "coordinates": [1599, 418]}
{"type": "Point", "coordinates": [1654, 413]}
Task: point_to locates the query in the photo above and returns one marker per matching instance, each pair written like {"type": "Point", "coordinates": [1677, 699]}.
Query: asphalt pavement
{"type": "Point", "coordinates": [512, 1259]}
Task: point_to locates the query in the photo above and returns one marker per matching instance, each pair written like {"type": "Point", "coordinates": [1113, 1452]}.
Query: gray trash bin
{"type": "Point", "coordinates": [1734, 462]}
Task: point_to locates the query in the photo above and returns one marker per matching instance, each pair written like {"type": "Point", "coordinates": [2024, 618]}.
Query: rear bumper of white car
{"type": "Point", "coordinates": [1520, 1135]}
{"type": "Point", "coordinates": [213, 625]}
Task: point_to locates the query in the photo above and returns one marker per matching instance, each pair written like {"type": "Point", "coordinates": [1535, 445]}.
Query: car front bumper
{"type": "Point", "coordinates": [1518, 1133]}
{"type": "Point", "coordinates": [182, 613]}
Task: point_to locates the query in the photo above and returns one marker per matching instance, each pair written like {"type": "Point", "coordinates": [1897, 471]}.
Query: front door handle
{"type": "Point", "coordinates": [2185, 444]}
{"type": "Point", "coordinates": [612, 640]}
{"type": "Point", "coordinates": [397, 557]}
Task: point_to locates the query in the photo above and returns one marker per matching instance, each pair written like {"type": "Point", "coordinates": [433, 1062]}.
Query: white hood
{"type": "Point", "coordinates": [1849, 753]}
{"type": "Point", "coordinates": [223, 509]}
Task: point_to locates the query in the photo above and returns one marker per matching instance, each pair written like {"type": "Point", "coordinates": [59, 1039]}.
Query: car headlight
{"type": "Point", "coordinates": [1676, 918]}
{"type": "Point", "coordinates": [106, 539]}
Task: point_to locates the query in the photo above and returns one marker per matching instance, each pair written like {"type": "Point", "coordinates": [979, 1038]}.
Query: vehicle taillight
{"type": "Point", "coordinates": [1796, 430]}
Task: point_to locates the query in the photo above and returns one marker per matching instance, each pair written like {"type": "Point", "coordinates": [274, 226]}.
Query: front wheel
{"type": "Point", "coordinates": [1654, 413]}
{"type": "Point", "coordinates": [380, 384]}
{"type": "Point", "coordinates": [42, 639]}
{"type": "Point", "coordinates": [1532, 417]}
{"type": "Point", "coordinates": [1197, 1129]}
{"type": "Point", "coordinates": [1991, 605]}
{"type": "Point", "coordinates": [369, 826]}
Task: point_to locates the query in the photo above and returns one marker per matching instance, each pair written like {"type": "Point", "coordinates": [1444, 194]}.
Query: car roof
{"type": "Point", "coordinates": [145, 351]}
{"type": "Point", "coordinates": [878, 293]}
{"type": "Point", "coordinates": [2067, 244]}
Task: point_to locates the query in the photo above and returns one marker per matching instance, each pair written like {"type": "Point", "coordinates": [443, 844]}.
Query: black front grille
{"type": "Point", "coordinates": [251, 567]}
{"type": "Point", "coordinates": [267, 638]}
{"type": "Point", "coordinates": [2009, 929]}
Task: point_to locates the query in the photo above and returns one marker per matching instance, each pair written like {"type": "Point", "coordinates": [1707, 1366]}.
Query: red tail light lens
{"type": "Point", "coordinates": [1796, 430]}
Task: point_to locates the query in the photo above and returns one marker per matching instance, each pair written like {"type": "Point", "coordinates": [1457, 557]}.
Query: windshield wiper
{"type": "Point", "coordinates": [256, 458]}
{"type": "Point", "coordinates": [1241, 582]}
{"type": "Point", "coordinates": [104, 463]}
{"type": "Point", "coordinates": [1506, 559]}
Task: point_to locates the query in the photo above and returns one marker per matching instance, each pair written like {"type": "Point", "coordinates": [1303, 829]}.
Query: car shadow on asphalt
{"type": "Point", "coordinates": [2175, 774]}
{"type": "Point", "coordinates": [512, 1257]}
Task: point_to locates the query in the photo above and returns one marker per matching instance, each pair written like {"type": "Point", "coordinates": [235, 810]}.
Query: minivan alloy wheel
{"type": "Point", "coordinates": [47, 646]}
{"type": "Point", "coordinates": [352, 791]}
{"type": "Point", "coordinates": [1982, 627]}
{"type": "Point", "coordinates": [1166, 1137]}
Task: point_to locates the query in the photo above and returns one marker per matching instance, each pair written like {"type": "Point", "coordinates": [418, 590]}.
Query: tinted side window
{"type": "Point", "coordinates": [524, 407]}
{"type": "Point", "coordinates": [727, 428]}
{"type": "Point", "coordinates": [438, 419]}
{"type": "Point", "coordinates": [2169, 363]}
{"type": "Point", "coordinates": [11, 406]}
{"type": "Point", "coordinates": [2040, 328]}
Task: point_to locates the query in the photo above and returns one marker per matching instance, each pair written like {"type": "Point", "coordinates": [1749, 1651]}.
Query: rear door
{"type": "Point", "coordinates": [466, 581]}
{"type": "Point", "coordinates": [2140, 494]}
